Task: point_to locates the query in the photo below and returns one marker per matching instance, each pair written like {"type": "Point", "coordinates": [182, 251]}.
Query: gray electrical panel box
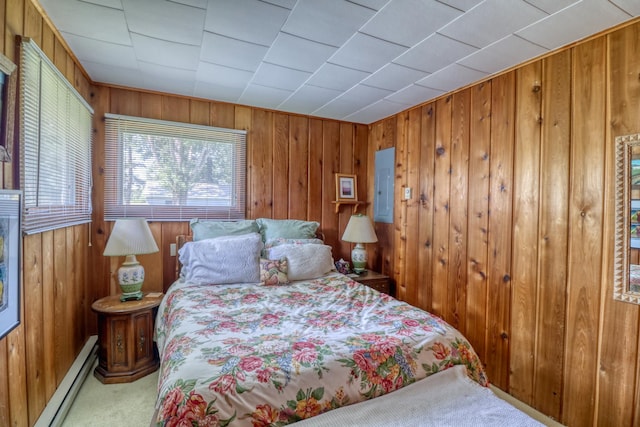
{"type": "Point", "coordinates": [384, 185]}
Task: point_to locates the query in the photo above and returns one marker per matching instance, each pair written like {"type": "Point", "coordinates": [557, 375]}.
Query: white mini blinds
{"type": "Point", "coordinates": [171, 171]}
{"type": "Point", "coordinates": [55, 145]}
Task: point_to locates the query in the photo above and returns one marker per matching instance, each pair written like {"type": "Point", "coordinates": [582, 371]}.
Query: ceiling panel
{"type": "Point", "coordinates": [356, 60]}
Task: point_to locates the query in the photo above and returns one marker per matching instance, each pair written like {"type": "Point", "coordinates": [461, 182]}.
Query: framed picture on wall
{"type": "Point", "coordinates": [10, 209]}
{"type": "Point", "coordinates": [346, 187]}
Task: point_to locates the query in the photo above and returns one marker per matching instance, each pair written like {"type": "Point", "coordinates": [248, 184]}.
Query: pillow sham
{"type": "Point", "coordinates": [209, 229]}
{"type": "Point", "coordinates": [305, 262]}
{"type": "Point", "coordinates": [271, 229]}
{"type": "Point", "coordinates": [273, 272]}
{"type": "Point", "coordinates": [222, 260]}
{"type": "Point", "coordinates": [281, 241]}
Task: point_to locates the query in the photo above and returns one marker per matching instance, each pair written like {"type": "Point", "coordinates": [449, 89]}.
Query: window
{"type": "Point", "coordinates": [170, 171]}
{"type": "Point", "coordinates": [55, 146]}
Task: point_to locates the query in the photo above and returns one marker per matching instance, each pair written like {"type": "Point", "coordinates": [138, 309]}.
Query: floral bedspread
{"type": "Point", "coordinates": [272, 355]}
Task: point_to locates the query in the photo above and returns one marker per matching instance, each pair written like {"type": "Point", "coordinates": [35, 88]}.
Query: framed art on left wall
{"type": "Point", "coordinates": [10, 211]}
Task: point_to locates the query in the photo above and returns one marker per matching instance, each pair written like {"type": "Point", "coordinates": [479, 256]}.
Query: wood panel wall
{"type": "Point", "coordinates": [56, 294]}
{"type": "Point", "coordinates": [510, 234]}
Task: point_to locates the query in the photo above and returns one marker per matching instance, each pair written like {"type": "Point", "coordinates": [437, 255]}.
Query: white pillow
{"type": "Point", "coordinates": [228, 259]}
{"type": "Point", "coordinates": [305, 262]}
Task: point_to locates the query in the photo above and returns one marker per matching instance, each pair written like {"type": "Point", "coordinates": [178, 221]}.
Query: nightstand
{"type": "Point", "coordinates": [126, 350]}
{"type": "Point", "coordinates": [374, 280]}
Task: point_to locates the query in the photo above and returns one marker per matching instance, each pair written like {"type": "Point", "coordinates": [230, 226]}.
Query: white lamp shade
{"type": "Point", "coordinates": [359, 230]}
{"type": "Point", "coordinates": [130, 236]}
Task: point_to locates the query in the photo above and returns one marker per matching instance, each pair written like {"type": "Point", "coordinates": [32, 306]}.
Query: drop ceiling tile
{"type": "Point", "coordinates": [186, 22]}
{"type": "Point", "coordinates": [200, 4]}
{"type": "Point", "coordinates": [492, 20]}
{"type": "Point", "coordinates": [231, 52]}
{"type": "Point", "coordinates": [360, 96]}
{"type": "Point", "coordinates": [114, 4]}
{"type": "Point", "coordinates": [373, 112]}
{"type": "Point", "coordinates": [332, 76]}
{"type": "Point", "coordinates": [307, 99]}
{"type": "Point", "coordinates": [573, 23]}
{"type": "Point", "coordinates": [77, 17]}
{"type": "Point", "coordinates": [371, 4]}
{"type": "Point", "coordinates": [301, 54]}
{"type": "Point", "coordinates": [223, 76]}
{"type": "Point", "coordinates": [406, 22]}
{"type": "Point", "coordinates": [451, 78]}
{"type": "Point", "coordinates": [632, 7]}
{"type": "Point", "coordinates": [279, 77]}
{"type": "Point", "coordinates": [414, 95]}
{"type": "Point", "coordinates": [331, 22]}
{"type": "Point", "coordinates": [112, 74]}
{"type": "Point", "coordinates": [217, 92]}
{"type": "Point", "coordinates": [247, 20]}
{"type": "Point", "coordinates": [434, 53]}
{"type": "Point", "coordinates": [510, 51]}
{"type": "Point", "coordinates": [99, 52]}
{"type": "Point", "coordinates": [167, 79]}
{"type": "Point", "coordinates": [287, 4]}
{"type": "Point", "coordinates": [462, 4]}
{"type": "Point", "coordinates": [366, 53]}
{"type": "Point", "coordinates": [336, 109]}
{"type": "Point", "coordinates": [552, 6]}
{"type": "Point", "coordinates": [162, 52]}
{"type": "Point", "coordinates": [393, 77]}
{"type": "Point", "coordinates": [262, 96]}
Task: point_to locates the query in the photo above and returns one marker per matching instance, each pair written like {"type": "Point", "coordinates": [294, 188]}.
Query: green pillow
{"type": "Point", "coordinates": [286, 229]}
{"type": "Point", "coordinates": [208, 229]}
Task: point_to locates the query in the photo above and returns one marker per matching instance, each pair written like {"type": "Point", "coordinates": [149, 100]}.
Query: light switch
{"type": "Point", "coordinates": [407, 193]}
{"type": "Point", "coordinates": [172, 249]}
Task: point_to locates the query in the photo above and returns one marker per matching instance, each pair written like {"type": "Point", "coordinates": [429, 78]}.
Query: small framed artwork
{"type": "Point", "coordinates": [10, 208]}
{"type": "Point", "coordinates": [346, 187]}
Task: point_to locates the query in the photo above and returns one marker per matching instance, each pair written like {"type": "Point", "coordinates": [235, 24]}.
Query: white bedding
{"type": "Point", "coordinates": [448, 398]}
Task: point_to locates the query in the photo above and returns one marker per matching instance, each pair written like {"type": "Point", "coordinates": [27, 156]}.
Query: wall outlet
{"type": "Point", "coordinates": [407, 193]}
{"type": "Point", "coordinates": [172, 249]}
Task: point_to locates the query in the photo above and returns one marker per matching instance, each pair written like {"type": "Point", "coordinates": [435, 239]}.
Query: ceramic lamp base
{"type": "Point", "coordinates": [131, 277]}
{"type": "Point", "coordinates": [359, 258]}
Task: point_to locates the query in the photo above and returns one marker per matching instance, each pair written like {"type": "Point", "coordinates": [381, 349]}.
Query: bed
{"type": "Point", "coordinates": [299, 342]}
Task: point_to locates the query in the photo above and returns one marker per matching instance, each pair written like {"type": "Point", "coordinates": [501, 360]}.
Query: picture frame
{"type": "Point", "coordinates": [346, 187]}
{"type": "Point", "coordinates": [10, 249]}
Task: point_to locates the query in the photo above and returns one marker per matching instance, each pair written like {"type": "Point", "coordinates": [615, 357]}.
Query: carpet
{"type": "Point", "coordinates": [102, 405]}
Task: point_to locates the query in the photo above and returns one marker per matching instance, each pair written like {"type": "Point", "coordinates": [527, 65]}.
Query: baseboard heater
{"type": "Point", "coordinates": [61, 401]}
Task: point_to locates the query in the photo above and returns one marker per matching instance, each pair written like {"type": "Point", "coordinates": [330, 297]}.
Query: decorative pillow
{"type": "Point", "coordinates": [274, 271]}
{"type": "Point", "coordinates": [228, 259]}
{"type": "Point", "coordinates": [305, 262]}
{"type": "Point", "coordinates": [271, 229]}
{"type": "Point", "coordinates": [207, 229]}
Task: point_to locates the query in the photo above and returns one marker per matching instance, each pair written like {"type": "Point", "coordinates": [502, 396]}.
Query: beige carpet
{"type": "Point", "coordinates": [102, 405]}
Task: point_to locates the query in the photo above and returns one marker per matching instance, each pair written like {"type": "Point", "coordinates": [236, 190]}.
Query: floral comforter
{"type": "Point", "coordinates": [272, 355]}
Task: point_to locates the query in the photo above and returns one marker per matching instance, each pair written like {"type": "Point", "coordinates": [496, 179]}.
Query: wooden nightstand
{"type": "Point", "coordinates": [374, 280]}
{"type": "Point", "coordinates": [126, 350]}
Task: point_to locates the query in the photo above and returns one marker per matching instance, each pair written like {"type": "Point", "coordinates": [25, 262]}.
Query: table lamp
{"type": "Point", "coordinates": [359, 230]}
{"type": "Point", "coordinates": [130, 237]}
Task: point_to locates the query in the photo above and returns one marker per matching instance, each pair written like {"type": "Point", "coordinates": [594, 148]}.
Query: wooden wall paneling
{"type": "Point", "coordinates": [49, 314]}
{"type": "Point", "coordinates": [330, 166]}
{"type": "Point", "coordinates": [554, 184]}
{"type": "Point", "coordinates": [412, 212]}
{"type": "Point", "coordinates": [458, 197]}
{"type": "Point", "coordinates": [5, 407]}
{"type": "Point", "coordinates": [32, 22]}
{"type": "Point", "coordinates": [585, 231]}
{"type": "Point", "coordinates": [16, 358]}
{"type": "Point", "coordinates": [298, 162]}
{"type": "Point", "coordinates": [478, 217]}
{"type": "Point", "coordinates": [424, 193]}
{"type": "Point", "coordinates": [34, 324]}
{"type": "Point", "coordinates": [618, 351]}
{"type": "Point", "coordinates": [199, 112]}
{"type": "Point", "coordinates": [168, 237]}
{"type": "Point", "coordinates": [175, 108]}
{"type": "Point", "coordinates": [126, 102]}
{"type": "Point", "coordinates": [260, 157]}
{"type": "Point", "coordinates": [280, 166]}
{"type": "Point", "coordinates": [500, 226]}
{"type": "Point", "coordinates": [400, 206]}
{"type": "Point", "coordinates": [242, 119]}
{"type": "Point", "coordinates": [13, 20]}
{"type": "Point", "coordinates": [61, 294]}
{"type": "Point", "coordinates": [151, 106]}
{"type": "Point", "coordinates": [342, 249]}
{"type": "Point", "coordinates": [48, 40]}
{"type": "Point", "coordinates": [81, 283]}
{"type": "Point", "coordinates": [441, 207]}
{"type": "Point", "coordinates": [315, 167]}
{"type": "Point", "coordinates": [222, 115]}
{"type": "Point", "coordinates": [156, 265]}
{"type": "Point", "coordinates": [3, 20]}
{"type": "Point", "coordinates": [526, 208]}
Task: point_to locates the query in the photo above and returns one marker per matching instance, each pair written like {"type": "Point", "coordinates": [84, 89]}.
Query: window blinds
{"type": "Point", "coordinates": [55, 146]}
{"type": "Point", "coordinates": [172, 171]}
